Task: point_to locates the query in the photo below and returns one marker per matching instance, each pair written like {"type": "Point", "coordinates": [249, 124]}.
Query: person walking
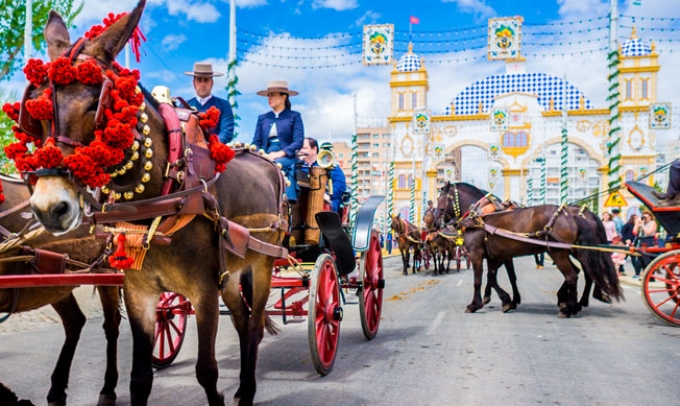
{"type": "Point", "coordinates": [609, 226]}
{"type": "Point", "coordinates": [628, 238]}
{"type": "Point", "coordinates": [618, 222]}
{"type": "Point", "coordinates": [540, 260]}
{"type": "Point", "coordinates": [280, 132]}
{"type": "Point", "coordinates": [389, 243]}
{"type": "Point", "coordinates": [203, 83]}
{"type": "Point", "coordinates": [645, 232]}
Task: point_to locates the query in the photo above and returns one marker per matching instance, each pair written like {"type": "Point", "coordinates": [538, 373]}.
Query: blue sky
{"type": "Point", "coordinates": [324, 33]}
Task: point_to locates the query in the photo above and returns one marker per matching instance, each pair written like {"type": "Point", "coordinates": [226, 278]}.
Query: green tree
{"type": "Point", "coordinates": [13, 21]}
{"type": "Point", "coordinates": [6, 134]}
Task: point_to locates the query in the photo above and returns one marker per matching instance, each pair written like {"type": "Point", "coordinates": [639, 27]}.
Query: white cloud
{"type": "Point", "coordinates": [201, 12]}
{"type": "Point", "coordinates": [172, 41]}
{"type": "Point", "coordinates": [248, 3]}
{"type": "Point", "coordinates": [337, 5]}
{"type": "Point", "coordinates": [477, 7]}
{"type": "Point", "coordinates": [369, 17]}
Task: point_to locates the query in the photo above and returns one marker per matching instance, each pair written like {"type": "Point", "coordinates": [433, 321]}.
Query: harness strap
{"type": "Point", "coordinates": [15, 302]}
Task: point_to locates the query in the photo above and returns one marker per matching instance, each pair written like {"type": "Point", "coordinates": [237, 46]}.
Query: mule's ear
{"type": "Point", "coordinates": [56, 36]}
{"type": "Point", "coordinates": [110, 42]}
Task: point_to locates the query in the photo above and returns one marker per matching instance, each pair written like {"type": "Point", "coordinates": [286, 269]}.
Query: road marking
{"type": "Point", "coordinates": [435, 324]}
{"type": "Point", "coordinates": [460, 282]}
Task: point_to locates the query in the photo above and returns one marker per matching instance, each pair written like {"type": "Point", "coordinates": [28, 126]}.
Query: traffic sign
{"type": "Point", "coordinates": [615, 200]}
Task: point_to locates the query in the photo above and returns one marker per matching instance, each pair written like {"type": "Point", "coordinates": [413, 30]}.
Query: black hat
{"type": "Point", "coordinates": [616, 211]}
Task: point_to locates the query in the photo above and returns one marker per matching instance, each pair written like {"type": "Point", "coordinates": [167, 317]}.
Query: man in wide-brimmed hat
{"type": "Point", "coordinates": [203, 83]}
{"type": "Point", "coordinates": [280, 132]}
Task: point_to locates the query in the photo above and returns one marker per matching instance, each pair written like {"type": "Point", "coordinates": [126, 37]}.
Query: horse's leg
{"type": "Point", "coordinates": [110, 299]}
{"type": "Point", "coordinates": [140, 306]}
{"type": "Point", "coordinates": [73, 321]}
{"type": "Point", "coordinates": [492, 280]}
{"type": "Point", "coordinates": [476, 304]}
{"type": "Point", "coordinates": [405, 259]}
{"type": "Point", "coordinates": [258, 292]}
{"type": "Point", "coordinates": [205, 303]}
{"type": "Point", "coordinates": [516, 297]}
{"type": "Point", "coordinates": [570, 284]}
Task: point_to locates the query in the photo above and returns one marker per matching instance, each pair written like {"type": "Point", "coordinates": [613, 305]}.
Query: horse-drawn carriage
{"type": "Point", "coordinates": [321, 274]}
{"type": "Point", "coordinates": [661, 278]}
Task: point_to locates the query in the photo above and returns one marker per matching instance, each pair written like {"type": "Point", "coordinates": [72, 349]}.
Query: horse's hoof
{"type": "Point", "coordinates": [508, 307]}
{"type": "Point", "coordinates": [562, 306]}
{"type": "Point", "coordinates": [486, 300]}
{"type": "Point", "coordinates": [602, 297]}
{"type": "Point", "coordinates": [106, 400]}
{"type": "Point", "coordinates": [562, 315]}
{"type": "Point", "coordinates": [470, 309]}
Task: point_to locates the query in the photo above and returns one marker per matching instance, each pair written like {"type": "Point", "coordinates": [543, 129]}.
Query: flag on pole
{"type": "Point", "coordinates": [414, 20]}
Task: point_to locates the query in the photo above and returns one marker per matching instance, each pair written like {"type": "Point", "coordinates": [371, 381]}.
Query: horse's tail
{"type": "Point", "coordinates": [597, 264]}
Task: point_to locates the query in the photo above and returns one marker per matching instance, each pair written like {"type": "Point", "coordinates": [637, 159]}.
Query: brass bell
{"type": "Point", "coordinates": [147, 142]}
{"type": "Point", "coordinates": [148, 153]}
{"type": "Point", "coordinates": [140, 188]}
{"type": "Point", "coordinates": [142, 106]}
{"type": "Point", "coordinates": [135, 145]}
{"type": "Point", "coordinates": [135, 156]}
{"type": "Point", "coordinates": [146, 177]}
{"type": "Point", "coordinates": [121, 171]}
{"type": "Point", "coordinates": [138, 89]}
{"type": "Point", "coordinates": [116, 196]}
{"type": "Point", "coordinates": [146, 130]}
{"type": "Point", "coordinates": [129, 165]}
{"type": "Point", "coordinates": [143, 117]}
{"type": "Point", "coordinates": [128, 195]}
{"type": "Point", "coordinates": [106, 190]}
{"type": "Point", "coordinates": [148, 165]}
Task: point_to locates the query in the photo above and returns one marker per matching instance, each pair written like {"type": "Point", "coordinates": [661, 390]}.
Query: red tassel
{"type": "Point", "coordinates": [119, 259]}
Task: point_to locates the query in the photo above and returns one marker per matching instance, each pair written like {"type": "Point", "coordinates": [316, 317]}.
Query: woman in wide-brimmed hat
{"type": "Point", "coordinates": [280, 132]}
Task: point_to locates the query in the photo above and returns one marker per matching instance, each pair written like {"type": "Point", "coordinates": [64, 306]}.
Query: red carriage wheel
{"type": "Point", "coordinates": [373, 283]}
{"type": "Point", "coordinates": [661, 288]}
{"type": "Point", "coordinates": [172, 312]}
{"type": "Point", "coordinates": [325, 314]}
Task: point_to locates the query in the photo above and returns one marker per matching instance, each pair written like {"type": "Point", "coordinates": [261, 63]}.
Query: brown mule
{"type": "Point", "coordinates": [193, 262]}
{"type": "Point", "coordinates": [407, 236]}
{"type": "Point", "coordinates": [78, 245]}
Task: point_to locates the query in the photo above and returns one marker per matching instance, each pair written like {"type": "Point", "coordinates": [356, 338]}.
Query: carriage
{"type": "Point", "coordinates": [661, 278]}
{"type": "Point", "coordinates": [321, 274]}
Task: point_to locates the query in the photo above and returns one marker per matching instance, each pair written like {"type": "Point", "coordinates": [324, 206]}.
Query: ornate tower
{"type": "Point", "coordinates": [409, 84]}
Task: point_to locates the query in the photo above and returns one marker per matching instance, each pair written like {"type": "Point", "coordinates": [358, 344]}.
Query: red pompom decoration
{"type": "Point", "coordinates": [119, 258]}
{"type": "Point", "coordinates": [12, 110]}
{"type": "Point", "coordinates": [118, 135]}
{"type": "Point", "coordinates": [89, 73]}
{"type": "Point", "coordinates": [102, 153]}
{"type": "Point", "coordinates": [221, 153]}
{"type": "Point", "coordinates": [15, 150]}
{"type": "Point", "coordinates": [49, 156]}
{"type": "Point", "coordinates": [209, 119]}
{"type": "Point", "coordinates": [36, 71]}
{"type": "Point", "coordinates": [62, 72]}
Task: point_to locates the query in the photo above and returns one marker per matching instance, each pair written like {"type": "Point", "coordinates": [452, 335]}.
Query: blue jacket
{"type": "Point", "coordinates": [337, 177]}
{"type": "Point", "coordinates": [225, 127]}
{"type": "Point", "coordinates": [289, 127]}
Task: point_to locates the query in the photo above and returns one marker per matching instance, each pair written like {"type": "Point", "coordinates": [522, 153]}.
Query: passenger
{"type": "Point", "coordinates": [280, 132]}
{"type": "Point", "coordinates": [203, 83]}
{"type": "Point", "coordinates": [308, 154]}
{"type": "Point", "coordinates": [673, 183]}
{"type": "Point", "coordinates": [645, 233]}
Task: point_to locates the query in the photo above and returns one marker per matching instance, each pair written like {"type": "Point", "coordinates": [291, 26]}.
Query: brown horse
{"type": "Point", "coordinates": [407, 236]}
{"type": "Point", "coordinates": [193, 261]}
{"type": "Point", "coordinates": [504, 235]}
{"type": "Point", "coordinates": [78, 246]}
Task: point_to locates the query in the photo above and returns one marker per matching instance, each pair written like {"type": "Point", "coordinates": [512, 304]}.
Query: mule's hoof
{"type": "Point", "coordinates": [106, 400]}
{"type": "Point", "coordinates": [405, 273]}
{"type": "Point", "coordinates": [603, 297]}
{"type": "Point", "coordinates": [562, 305]}
{"type": "Point", "coordinates": [563, 315]}
{"type": "Point", "coordinates": [58, 402]}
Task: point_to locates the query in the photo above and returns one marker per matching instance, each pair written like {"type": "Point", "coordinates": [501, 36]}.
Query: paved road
{"type": "Point", "coordinates": [427, 352]}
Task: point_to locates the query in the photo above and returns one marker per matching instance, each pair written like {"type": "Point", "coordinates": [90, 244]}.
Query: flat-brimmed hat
{"type": "Point", "coordinates": [204, 70]}
{"type": "Point", "coordinates": [277, 86]}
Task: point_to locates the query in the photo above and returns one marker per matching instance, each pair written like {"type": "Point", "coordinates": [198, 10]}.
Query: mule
{"type": "Point", "coordinates": [407, 236]}
{"type": "Point", "coordinates": [216, 225]}
{"type": "Point", "coordinates": [504, 235]}
{"type": "Point", "coordinates": [78, 246]}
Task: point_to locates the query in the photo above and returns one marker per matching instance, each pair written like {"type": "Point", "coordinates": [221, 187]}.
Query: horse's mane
{"type": "Point", "coordinates": [472, 189]}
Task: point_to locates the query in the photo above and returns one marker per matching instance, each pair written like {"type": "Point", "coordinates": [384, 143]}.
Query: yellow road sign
{"type": "Point", "coordinates": [615, 200]}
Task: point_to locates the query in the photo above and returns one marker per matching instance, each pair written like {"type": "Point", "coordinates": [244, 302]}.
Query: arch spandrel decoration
{"type": "Point", "coordinates": [407, 146]}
